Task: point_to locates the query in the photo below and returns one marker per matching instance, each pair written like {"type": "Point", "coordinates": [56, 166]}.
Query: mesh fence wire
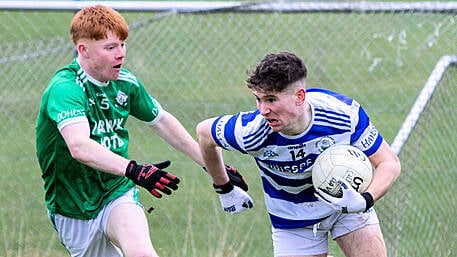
{"type": "Point", "coordinates": [424, 208]}
{"type": "Point", "coordinates": [195, 65]}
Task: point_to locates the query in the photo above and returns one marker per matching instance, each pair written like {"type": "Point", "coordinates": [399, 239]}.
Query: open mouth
{"type": "Point", "coordinates": [272, 122]}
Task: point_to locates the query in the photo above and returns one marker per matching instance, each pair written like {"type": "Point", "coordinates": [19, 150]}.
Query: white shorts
{"type": "Point", "coordinates": [313, 239]}
{"type": "Point", "coordinates": [88, 238]}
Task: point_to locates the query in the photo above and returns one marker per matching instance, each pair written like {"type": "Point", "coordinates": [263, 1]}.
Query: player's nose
{"type": "Point", "coordinates": [120, 53]}
{"type": "Point", "coordinates": [263, 108]}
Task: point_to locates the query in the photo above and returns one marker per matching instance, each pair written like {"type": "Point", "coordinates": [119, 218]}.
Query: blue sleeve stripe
{"type": "Point", "coordinates": [213, 131]}
{"type": "Point", "coordinates": [375, 146]}
{"type": "Point", "coordinates": [361, 126]}
{"type": "Point", "coordinates": [229, 133]}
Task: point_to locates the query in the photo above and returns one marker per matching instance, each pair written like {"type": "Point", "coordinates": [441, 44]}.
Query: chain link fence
{"type": "Point", "coordinates": [195, 64]}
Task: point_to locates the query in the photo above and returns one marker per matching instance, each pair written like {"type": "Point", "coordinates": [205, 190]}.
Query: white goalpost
{"type": "Point", "coordinates": [422, 100]}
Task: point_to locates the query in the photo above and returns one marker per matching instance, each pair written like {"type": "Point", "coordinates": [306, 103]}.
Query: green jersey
{"type": "Point", "coordinates": [71, 188]}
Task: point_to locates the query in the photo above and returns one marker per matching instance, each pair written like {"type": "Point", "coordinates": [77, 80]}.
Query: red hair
{"type": "Point", "coordinates": [95, 22]}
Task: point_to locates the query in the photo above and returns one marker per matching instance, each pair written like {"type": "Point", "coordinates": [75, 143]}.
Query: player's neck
{"type": "Point", "coordinates": [307, 115]}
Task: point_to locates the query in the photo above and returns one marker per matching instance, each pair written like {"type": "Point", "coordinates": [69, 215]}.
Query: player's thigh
{"type": "Point", "coordinates": [367, 241]}
{"type": "Point", "coordinates": [84, 238]}
{"type": "Point", "coordinates": [128, 228]}
{"type": "Point", "coordinates": [300, 242]}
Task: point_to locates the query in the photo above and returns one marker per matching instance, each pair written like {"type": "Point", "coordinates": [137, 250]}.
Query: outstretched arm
{"type": "Point", "coordinates": [174, 133]}
{"type": "Point", "coordinates": [87, 151]}
{"type": "Point", "coordinates": [233, 199]}
{"type": "Point", "coordinates": [211, 153]}
{"type": "Point", "coordinates": [171, 130]}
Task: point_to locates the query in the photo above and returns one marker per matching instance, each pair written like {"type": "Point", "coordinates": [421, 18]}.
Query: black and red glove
{"type": "Point", "coordinates": [152, 177]}
{"type": "Point", "coordinates": [235, 177]}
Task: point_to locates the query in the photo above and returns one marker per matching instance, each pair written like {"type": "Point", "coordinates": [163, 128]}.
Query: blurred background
{"type": "Point", "coordinates": [193, 58]}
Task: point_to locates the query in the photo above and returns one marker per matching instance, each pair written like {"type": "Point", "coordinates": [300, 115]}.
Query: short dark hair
{"type": "Point", "coordinates": [276, 71]}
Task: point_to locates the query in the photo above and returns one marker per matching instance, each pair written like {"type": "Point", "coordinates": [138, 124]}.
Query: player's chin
{"type": "Point", "coordinates": [275, 127]}
{"type": "Point", "coordinates": [114, 75]}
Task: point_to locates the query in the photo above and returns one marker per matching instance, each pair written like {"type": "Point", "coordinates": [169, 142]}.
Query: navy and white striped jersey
{"type": "Point", "coordinates": [285, 162]}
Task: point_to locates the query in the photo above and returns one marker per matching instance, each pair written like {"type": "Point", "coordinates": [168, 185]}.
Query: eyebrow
{"type": "Point", "coordinates": [267, 95]}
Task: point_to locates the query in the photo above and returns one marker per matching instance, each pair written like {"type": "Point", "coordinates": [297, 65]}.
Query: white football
{"type": "Point", "coordinates": [345, 161]}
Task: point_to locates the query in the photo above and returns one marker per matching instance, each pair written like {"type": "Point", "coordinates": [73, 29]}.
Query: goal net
{"type": "Point", "coordinates": [193, 57]}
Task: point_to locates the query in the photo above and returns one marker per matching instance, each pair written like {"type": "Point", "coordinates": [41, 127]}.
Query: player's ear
{"type": "Point", "coordinates": [82, 49]}
{"type": "Point", "coordinates": [300, 95]}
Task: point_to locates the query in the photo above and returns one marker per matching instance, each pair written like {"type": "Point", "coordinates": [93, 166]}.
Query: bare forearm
{"type": "Point", "coordinates": [174, 133]}
{"type": "Point", "coordinates": [387, 170]}
{"type": "Point", "coordinates": [214, 164]}
{"type": "Point", "coordinates": [383, 179]}
{"type": "Point", "coordinates": [98, 157]}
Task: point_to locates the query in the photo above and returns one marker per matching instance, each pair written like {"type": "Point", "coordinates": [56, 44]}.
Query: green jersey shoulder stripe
{"type": "Point", "coordinates": [129, 77]}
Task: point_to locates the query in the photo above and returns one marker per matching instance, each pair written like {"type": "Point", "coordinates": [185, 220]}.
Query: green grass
{"type": "Point", "coordinates": [195, 66]}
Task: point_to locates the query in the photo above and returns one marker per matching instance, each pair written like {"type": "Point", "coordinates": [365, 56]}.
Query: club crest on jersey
{"type": "Point", "coordinates": [269, 154]}
{"type": "Point", "coordinates": [324, 143]}
{"type": "Point", "coordinates": [121, 98]}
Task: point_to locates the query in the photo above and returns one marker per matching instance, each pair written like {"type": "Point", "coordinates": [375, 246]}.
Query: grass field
{"type": "Point", "coordinates": [195, 66]}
